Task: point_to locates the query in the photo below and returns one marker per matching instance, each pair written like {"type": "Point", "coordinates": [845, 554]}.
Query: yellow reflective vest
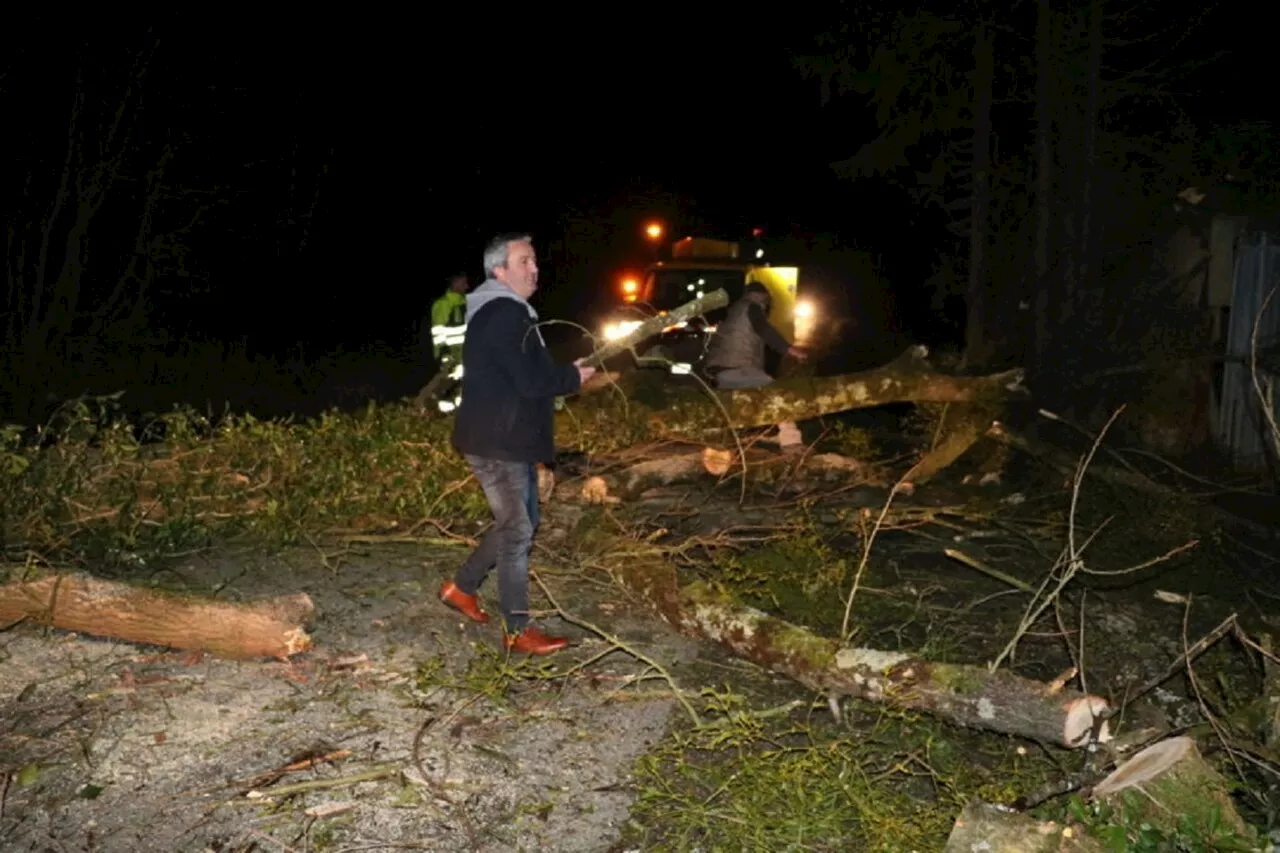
{"type": "Point", "coordinates": [448, 324]}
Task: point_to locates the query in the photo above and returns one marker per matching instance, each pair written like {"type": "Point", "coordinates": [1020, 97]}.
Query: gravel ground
{"type": "Point", "coordinates": [114, 747]}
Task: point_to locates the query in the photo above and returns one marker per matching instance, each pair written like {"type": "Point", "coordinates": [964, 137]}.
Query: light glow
{"type": "Point", "coordinates": [615, 331]}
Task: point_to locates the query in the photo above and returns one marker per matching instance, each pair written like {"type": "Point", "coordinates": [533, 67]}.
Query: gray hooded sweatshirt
{"type": "Point", "coordinates": [493, 289]}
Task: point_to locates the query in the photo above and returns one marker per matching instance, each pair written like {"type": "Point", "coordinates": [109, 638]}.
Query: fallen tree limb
{"type": "Point", "coordinates": [672, 409]}
{"type": "Point", "coordinates": [1066, 464]}
{"type": "Point", "coordinates": [966, 695]}
{"type": "Point", "coordinates": [907, 379]}
{"type": "Point", "coordinates": [964, 429]}
{"type": "Point", "coordinates": [273, 628]}
{"type": "Point", "coordinates": [656, 325]}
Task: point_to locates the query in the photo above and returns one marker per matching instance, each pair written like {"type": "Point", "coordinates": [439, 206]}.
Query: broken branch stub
{"type": "Point", "coordinates": [1173, 786]}
{"type": "Point", "coordinates": [272, 628]}
{"type": "Point", "coordinates": [1175, 783]}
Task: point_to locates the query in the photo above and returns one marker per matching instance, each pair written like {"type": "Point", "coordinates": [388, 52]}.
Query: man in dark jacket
{"type": "Point", "coordinates": [504, 427]}
{"type": "Point", "coordinates": [735, 354]}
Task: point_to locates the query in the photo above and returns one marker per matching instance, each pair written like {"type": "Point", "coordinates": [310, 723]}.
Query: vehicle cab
{"type": "Point", "coordinates": [699, 266]}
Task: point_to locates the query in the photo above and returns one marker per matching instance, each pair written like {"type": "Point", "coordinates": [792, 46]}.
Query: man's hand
{"type": "Point", "coordinates": [584, 372]}
{"type": "Point", "coordinates": [797, 353]}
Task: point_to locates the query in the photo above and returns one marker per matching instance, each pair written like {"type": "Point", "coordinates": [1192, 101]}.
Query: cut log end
{"type": "Point", "coordinates": [716, 462]}
{"type": "Point", "coordinates": [1082, 715]}
{"type": "Point", "coordinates": [596, 491]}
{"type": "Point", "coordinates": [1148, 764]}
{"type": "Point", "coordinates": [1175, 784]}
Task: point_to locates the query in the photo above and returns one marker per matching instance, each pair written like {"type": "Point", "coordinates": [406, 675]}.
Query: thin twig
{"type": "Point", "coordinates": [626, 647]}
{"type": "Point", "coordinates": [322, 784]}
{"type": "Point", "coordinates": [974, 563]}
{"type": "Point", "coordinates": [1068, 564]}
{"type": "Point", "coordinates": [1228, 625]}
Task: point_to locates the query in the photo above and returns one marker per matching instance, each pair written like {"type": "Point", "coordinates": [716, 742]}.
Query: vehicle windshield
{"type": "Point", "coordinates": [673, 288]}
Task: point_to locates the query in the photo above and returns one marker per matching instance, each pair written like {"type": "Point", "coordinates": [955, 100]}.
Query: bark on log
{"type": "Point", "coordinates": [690, 411]}
{"type": "Point", "coordinates": [963, 694]}
{"type": "Point", "coordinates": [273, 628]}
{"type": "Point", "coordinates": [984, 828]}
{"type": "Point", "coordinates": [657, 324]}
{"type": "Point", "coordinates": [907, 379]}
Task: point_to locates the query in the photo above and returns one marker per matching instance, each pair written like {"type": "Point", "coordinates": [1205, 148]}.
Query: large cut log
{"type": "Point", "coordinates": [985, 828]}
{"type": "Point", "coordinates": [272, 628]}
{"type": "Point", "coordinates": [968, 695]}
{"type": "Point", "coordinates": [715, 464]}
{"type": "Point", "coordinates": [656, 325]}
{"type": "Point", "coordinates": [1169, 786]}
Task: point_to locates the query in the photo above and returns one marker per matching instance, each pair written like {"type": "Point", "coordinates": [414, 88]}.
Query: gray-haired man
{"type": "Point", "coordinates": [504, 427]}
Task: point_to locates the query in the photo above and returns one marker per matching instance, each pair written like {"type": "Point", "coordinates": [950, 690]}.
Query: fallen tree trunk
{"type": "Point", "coordinates": [671, 409]}
{"type": "Point", "coordinates": [967, 695]}
{"type": "Point", "coordinates": [907, 379]}
{"type": "Point", "coordinates": [1174, 789]}
{"type": "Point", "coordinates": [273, 628]}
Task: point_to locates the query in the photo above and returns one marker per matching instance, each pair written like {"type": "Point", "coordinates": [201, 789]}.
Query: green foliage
{"type": "Point", "coordinates": [97, 489]}
{"type": "Point", "coordinates": [850, 441]}
{"type": "Point", "coordinates": [800, 572]}
{"type": "Point", "coordinates": [923, 422]}
{"type": "Point", "coordinates": [1126, 830]}
{"type": "Point", "coordinates": [747, 783]}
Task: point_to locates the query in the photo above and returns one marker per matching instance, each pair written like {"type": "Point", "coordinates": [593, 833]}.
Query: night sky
{"type": "Point", "coordinates": [431, 131]}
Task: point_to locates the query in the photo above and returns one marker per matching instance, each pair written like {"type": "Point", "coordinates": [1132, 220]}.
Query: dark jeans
{"type": "Point", "coordinates": [512, 491]}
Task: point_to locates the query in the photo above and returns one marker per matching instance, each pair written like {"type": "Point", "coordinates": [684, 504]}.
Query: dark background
{"type": "Point", "coordinates": [348, 164]}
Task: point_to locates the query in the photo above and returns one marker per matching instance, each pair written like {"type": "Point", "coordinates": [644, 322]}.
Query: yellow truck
{"type": "Point", "coordinates": [698, 266]}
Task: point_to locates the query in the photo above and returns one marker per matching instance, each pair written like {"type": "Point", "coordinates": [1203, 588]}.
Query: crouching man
{"type": "Point", "coordinates": [735, 353]}
{"type": "Point", "coordinates": [504, 426]}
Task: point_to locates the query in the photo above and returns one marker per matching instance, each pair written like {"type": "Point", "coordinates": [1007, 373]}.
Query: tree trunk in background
{"type": "Point", "coordinates": [1087, 165]}
{"type": "Point", "coordinates": [1068, 160]}
{"type": "Point", "coordinates": [1044, 184]}
{"type": "Point", "coordinates": [978, 348]}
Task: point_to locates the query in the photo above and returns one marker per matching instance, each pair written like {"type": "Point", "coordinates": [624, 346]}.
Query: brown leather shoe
{"type": "Point", "coordinates": [533, 641]}
{"type": "Point", "coordinates": [460, 601]}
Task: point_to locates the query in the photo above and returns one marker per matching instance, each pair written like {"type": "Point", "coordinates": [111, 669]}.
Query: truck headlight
{"type": "Point", "coordinates": [614, 331]}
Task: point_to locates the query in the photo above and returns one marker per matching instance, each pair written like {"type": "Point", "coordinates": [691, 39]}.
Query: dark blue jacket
{"type": "Point", "coordinates": [509, 386]}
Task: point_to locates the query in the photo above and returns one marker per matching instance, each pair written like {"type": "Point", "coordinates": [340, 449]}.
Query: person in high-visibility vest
{"type": "Point", "coordinates": [448, 331]}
